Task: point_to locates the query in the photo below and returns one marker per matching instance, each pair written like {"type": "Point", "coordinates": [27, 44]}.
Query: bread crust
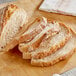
{"type": "Point", "coordinates": [7, 12]}
{"type": "Point", "coordinates": [28, 55]}
{"type": "Point", "coordinates": [34, 45]}
{"type": "Point", "coordinates": [30, 36]}
{"type": "Point", "coordinates": [53, 49]}
{"type": "Point", "coordinates": [45, 64]}
{"type": "Point", "coordinates": [62, 57]}
{"type": "Point", "coordinates": [24, 48]}
{"type": "Point", "coordinates": [26, 38]}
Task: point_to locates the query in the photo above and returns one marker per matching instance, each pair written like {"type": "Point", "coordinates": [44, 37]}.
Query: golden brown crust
{"type": "Point", "coordinates": [44, 54]}
{"type": "Point", "coordinates": [50, 63]}
{"type": "Point", "coordinates": [53, 49]}
{"type": "Point", "coordinates": [31, 35]}
{"type": "Point", "coordinates": [34, 45]}
{"type": "Point", "coordinates": [5, 14]}
{"type": "Point", "coordinates": [9, 10]}
{"type": "Point", "coordinates": [42, 64]}
{"type": "Point", "coordinates": [27, 38]}
{"type": "Point", "coordinates": [26, 55]}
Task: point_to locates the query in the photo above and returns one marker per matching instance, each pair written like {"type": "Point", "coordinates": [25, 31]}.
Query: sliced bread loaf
{"type": "Point", "coordinates": [35, 28]}
{"type": "Point", "coordinates": [52, 44]}
{"type": "Point", "coordinates": [12, 19]}
{"type": "Point", "coordinates": [59, 55]}
{"type": "Point", "coordinates": [27, 48]}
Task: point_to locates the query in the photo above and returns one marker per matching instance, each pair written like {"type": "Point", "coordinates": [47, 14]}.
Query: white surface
{"type": "Point", "coordinates": [59, 6]}
{"type": "Point", "coordinates": [56, 75]}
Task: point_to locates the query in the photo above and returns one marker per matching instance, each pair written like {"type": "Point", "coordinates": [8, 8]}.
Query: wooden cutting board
{"type": "Point", "coordinates": [12, 64]}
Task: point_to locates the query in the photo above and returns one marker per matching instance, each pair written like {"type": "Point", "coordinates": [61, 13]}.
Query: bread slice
{"type": "Point", "coordinates": [27, 48]}
{"type": "Point", "coordinates": [52, 44]}
{"type": "Point", "coordinates": [35, 28]}
{"type": "Point", "coordinates": [12, 20]}
{"type": "Point", "coordinates": [59, 55]}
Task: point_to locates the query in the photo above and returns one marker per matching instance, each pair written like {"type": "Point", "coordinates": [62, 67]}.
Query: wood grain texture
{"type": "Point", "coordinates": [12, 64]}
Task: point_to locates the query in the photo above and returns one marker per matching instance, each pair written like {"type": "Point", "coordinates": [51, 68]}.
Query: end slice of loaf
{"type": "Point", "coordinates": [49, 46]}
{"type": "Point", "coordinates": [59, 55]}
{"type": "Point", "coordinates": [27, 48]}
{"type": "Point", "coordinates": [12, 20]}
